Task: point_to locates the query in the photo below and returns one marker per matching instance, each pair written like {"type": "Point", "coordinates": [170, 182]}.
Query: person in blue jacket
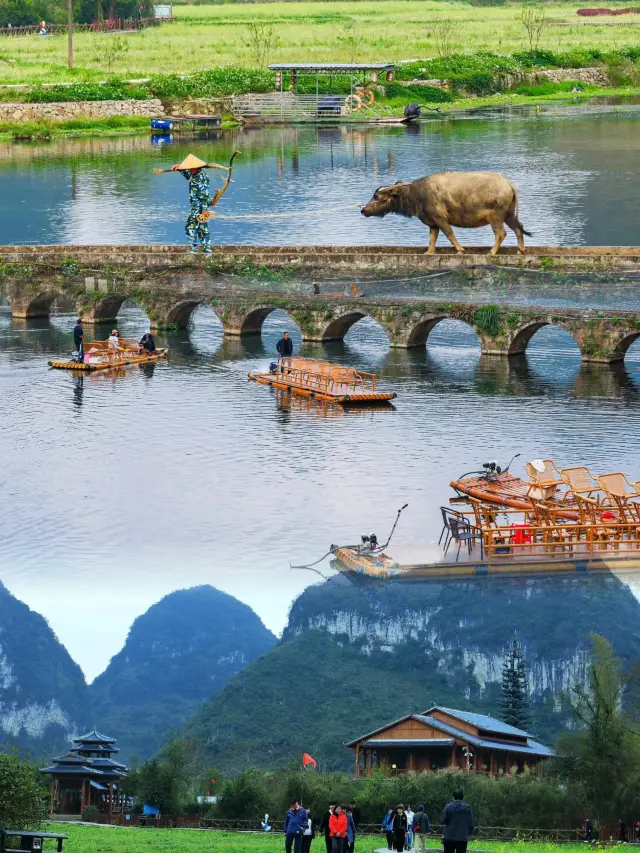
{"type": "Point", "coordinates": [387, 826]}
{"type": "Point", "coordinates": [351, 831]}
{"type": "Point", "coordinates": [295, 823]}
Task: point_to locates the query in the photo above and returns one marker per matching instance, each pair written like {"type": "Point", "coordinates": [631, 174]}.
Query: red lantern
{"type": "Point", "coordinates": [389, 76]}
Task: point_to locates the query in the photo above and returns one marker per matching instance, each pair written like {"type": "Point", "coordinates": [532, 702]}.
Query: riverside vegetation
{"type": "Point", "coordinates": [211, 51]}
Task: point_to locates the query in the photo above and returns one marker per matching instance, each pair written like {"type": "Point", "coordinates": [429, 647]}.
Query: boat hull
{"type": "Point", "coordinates": [347, 560]}
{"type": "Point", "coordinates": [507, 490]}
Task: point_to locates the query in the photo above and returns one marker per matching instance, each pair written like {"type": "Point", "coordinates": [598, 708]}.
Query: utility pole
{"type": "Point", "coordinates": [70, 33]}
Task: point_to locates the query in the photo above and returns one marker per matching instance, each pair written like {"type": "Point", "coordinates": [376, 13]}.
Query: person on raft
{"type": "Point", "coordinates": [284, 347]}
{"type": "Point", "coordinates": [114, 341]}
{"type": "Point", "coordinates": [148, 342]}
{"type": "Point", "coordinates": [78, 339]}
{"type": "Point", "coordinates": [199, 199]}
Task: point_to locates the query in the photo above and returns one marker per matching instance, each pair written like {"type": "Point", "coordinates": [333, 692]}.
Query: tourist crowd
{"type": "Point", "coordinates": [403, 827]}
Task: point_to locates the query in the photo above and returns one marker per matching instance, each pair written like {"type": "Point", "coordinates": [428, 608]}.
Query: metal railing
{"type": "Point", "coordinates": [324, 378]}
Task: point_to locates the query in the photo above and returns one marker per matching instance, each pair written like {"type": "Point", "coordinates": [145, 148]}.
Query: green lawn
{"type": "Point", "coordinates": [87, 839]}
{"type": "Point", "coordinates": [208, 36]}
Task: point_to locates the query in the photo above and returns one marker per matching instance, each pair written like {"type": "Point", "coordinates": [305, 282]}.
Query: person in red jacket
{"type": "Point", "coordinates": [338, 829]}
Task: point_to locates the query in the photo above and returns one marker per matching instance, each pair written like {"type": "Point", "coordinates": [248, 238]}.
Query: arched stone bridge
{"type": "Point", "coordinates": [503, 330]}
{"type": "Point", "coordinates": [169, 285]}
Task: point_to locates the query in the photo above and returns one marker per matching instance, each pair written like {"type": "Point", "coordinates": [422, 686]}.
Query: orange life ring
{"type": "Point", "coordinates": [352, 103]}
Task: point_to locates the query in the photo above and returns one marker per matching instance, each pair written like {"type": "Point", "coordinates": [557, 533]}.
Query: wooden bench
{"type": "Point", "coordinates": [33, 841]}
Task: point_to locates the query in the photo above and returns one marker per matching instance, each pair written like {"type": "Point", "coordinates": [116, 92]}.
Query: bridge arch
{"type": "Point", "coordinates": [523, 334]}
{"type": "Point", "coordinates": [622, 346]}
{"type": "Point", "coordinates": [35, 306]}
{"type": "Point", "coordinates": [104, 310]}
{"type": "Point", "coordinates": [339, 326]}
{"type": "Point", "coordinates": [419, 333]}
{"type": "Point", "coordinates": [180, 313]}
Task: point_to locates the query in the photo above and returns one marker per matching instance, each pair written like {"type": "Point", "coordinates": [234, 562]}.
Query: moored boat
{"type": "Point", "coordinates": [324, 381]}
{"type": "Point", "coordinates": [559, 521]}
{"type": "Point", "coordinates": [98, 355]}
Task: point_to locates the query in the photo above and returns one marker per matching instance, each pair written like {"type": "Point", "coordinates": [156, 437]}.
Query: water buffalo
{"type": "Point", "coordinates": [464, 199]}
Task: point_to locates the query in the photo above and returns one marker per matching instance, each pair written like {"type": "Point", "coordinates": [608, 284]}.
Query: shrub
{"type": "Point", "coordinates": [423, 94]}
{"type": "Point", "coordinates": [542, 89]}
{"type": "Point", "coordinates": [115, 90]}
{"type": "Point", "coordinates": [213, 83]}
{"type": "Point", "coordinates": [22, 801]}
{"type": "Point", "coordinates": [476, 84]}
{"type": "Point", "coordinates": [91, 814]}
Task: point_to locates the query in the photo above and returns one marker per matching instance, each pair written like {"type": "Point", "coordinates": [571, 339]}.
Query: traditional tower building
{"type": "Point", "coordinates": [87, 775]}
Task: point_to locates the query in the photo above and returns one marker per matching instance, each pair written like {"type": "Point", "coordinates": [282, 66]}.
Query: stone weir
{"type": "Point", "coordinates": [170, 284]}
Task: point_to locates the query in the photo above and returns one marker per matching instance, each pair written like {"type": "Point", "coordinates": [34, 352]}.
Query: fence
{"type": "Point", "coordinates": [493, 833]}
{"type": "Point", "coordinates": [104, 26]}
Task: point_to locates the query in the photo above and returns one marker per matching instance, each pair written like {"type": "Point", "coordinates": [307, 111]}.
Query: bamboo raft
{"type": "Point", "coordinates": [559, 521]}
{"type": "Point", "coordinates": [100, 356]}
{"type": "Point", "coordinates": [324, 381]}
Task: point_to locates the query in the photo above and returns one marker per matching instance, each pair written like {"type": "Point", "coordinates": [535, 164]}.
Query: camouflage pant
{"type": "Point", "coordinates": [197, 231]}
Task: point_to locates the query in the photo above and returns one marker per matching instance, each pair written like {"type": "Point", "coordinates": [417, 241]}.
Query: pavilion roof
{"type": "Point", "coordinates": [71, 770]}
{"type": "Point", "coordinates": [94, 737]}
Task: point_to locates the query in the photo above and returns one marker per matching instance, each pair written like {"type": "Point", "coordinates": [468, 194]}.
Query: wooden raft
{"type": "Point", "coordinates": [324, 381]}
{"type": "Point", "coordinates": [104, 357]}
{"type": "Point", "coordinates": [508, 490]}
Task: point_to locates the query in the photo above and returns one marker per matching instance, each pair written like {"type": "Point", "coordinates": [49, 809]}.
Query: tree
{"type": "Point", "coordinates": [443, 29]}
{"type": "Point", "coordinates": [514, 701]}
{"type": "Point", "coordinates": [171, 780]}
{"type": "Point", "coordinates": [263, 41]}
{"type": "Point", "coordinates": [534, 20]}
{"type": "Point", "coordinates": [22, 799]}
{"type": "Point", "coordinates": [603, 758]}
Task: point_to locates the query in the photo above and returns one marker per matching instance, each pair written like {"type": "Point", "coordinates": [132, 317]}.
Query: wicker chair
{"type": "Point", "coordinates": [544, 483]}
{"type": "Point", "coordinates": [620, 493]}
{"type": "Point", "coordinates": [581, 482]}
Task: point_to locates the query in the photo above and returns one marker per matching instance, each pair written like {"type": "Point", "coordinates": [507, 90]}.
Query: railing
{"type": "Point", "coordinates": [108, 25]}
{"type": "Point", "coordinates": [573, 539]}
{"type": "Point", "coordinates": [324, 378]}
{"type": "Point", "coordinates": [496, 833]}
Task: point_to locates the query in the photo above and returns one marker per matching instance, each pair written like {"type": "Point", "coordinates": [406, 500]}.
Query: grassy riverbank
{"type": "Point", "coordinates": [88, 839]}
{"type": "Point", "coordinates": [340, 31]}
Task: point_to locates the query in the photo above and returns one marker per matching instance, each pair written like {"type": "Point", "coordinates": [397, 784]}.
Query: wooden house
{"type": "Point", "coordinates": [446, 739]}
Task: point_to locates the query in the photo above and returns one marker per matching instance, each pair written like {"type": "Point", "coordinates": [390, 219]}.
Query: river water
{"type": "Point", "coordinates": [117, 489]}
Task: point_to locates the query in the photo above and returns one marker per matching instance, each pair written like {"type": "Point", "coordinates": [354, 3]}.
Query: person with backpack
{"type": "Point", "coordinates": [459, 822]}
{"type": "Point", "coordinates": [387, 826]}
{"type": "Point", "coordinates": [399, 829]}
{"type": "Point", "coordinates": [421, 826]}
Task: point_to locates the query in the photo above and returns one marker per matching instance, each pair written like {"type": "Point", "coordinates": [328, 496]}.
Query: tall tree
{"type": "Point", "coordinates": [514, 701]}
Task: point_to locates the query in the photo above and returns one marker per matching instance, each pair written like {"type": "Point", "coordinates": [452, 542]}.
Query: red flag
{"type": "Point", "coordinates": [307, 760]}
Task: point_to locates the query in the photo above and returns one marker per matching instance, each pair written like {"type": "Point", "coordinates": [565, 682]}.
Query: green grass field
{"type": "Point", "coordinates": [208, 36]}
{"type": "Point", "coordinates": [88, 839]}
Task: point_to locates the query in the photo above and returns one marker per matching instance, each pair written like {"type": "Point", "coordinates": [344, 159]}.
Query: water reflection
{"type": "Point", "coordinates": [225, 458]}
{"type": "Point", "coordinates": [575, 173]}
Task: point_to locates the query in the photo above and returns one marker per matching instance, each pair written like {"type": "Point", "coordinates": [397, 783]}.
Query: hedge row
{"type": "Point", "coordinates": [485, 62]}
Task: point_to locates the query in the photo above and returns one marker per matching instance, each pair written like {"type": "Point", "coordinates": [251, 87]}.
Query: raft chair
{"type": "Point", "coordinates": [620, 493]}
{"type": "Point", "coordinates": [546, 482]}
{"type": "Point", "coordinates": [582, 482]}
{"type": "Point", "coordinates": [597, 520]}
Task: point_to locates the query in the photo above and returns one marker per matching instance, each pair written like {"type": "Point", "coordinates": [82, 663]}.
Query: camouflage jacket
{"type": "Point", "coordinates": [199, 189]}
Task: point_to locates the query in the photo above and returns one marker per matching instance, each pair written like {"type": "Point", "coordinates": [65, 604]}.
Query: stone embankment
{"type": "Point", "coordinates": [590, 76]}
{"type": "Point", "coordinates": [63, 111]}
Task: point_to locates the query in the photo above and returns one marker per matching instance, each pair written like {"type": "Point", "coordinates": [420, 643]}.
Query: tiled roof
{"type": "Point", "coordinates": [530, 747]}
{"type": "Point", "coordinates": [94, 737]}
{"type": "Point", "coordinates": [71, 770]}
{"type": "Point", "coordinates": [482, 721]}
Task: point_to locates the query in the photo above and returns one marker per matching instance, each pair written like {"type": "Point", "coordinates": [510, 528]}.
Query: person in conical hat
{"type": "Point", "coordinates": [193, 170]}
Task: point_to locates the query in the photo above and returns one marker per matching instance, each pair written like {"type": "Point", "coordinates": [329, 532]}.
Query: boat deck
{"type": "Point", "coordinates": [99, 356]}
{"type": "Point", "coordinates": [324, 381]}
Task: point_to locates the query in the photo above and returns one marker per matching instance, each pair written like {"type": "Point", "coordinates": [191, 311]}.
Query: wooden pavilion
{"type": "Point", "coordinates": [446, 739]}
{"type": "Point", "coordinates": [87, 776]}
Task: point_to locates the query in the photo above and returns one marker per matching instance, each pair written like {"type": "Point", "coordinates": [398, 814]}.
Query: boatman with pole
{"type": "Point", "coordinates": [197, 224]}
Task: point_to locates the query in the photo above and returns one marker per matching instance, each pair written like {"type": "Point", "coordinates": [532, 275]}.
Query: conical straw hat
{"type": "Point", "coordinates": [191, 162]}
